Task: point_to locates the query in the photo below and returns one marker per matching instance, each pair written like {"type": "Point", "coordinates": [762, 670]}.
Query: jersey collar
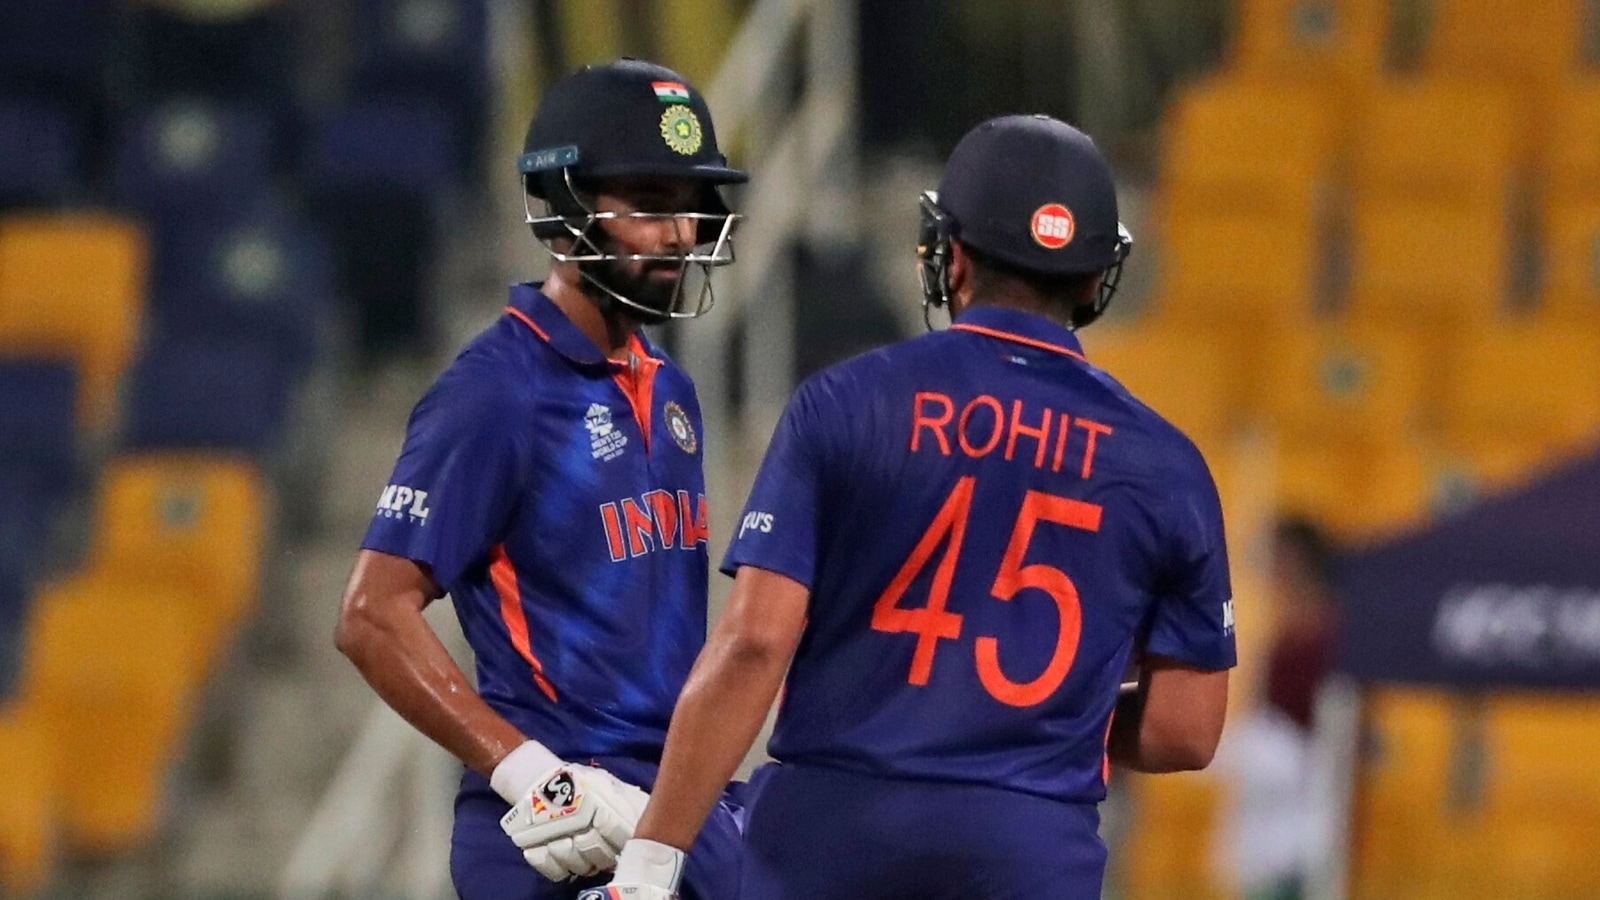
{"type": "Point", "coordinates": [1020, 328]}
{"type": "Point", "coordinates": [539, 313]}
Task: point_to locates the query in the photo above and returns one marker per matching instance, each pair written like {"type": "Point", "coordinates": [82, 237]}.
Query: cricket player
{"type": "Point", "coordinates": [551, 482]}
{"type": "Point", "coordinates": [956, 546]}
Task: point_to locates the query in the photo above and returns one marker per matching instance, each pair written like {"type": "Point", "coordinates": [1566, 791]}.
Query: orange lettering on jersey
{"type": "Point", "coordinates": [640, 528]}
{"type": "Point", "coordinates": [919, 420]}
{"type": "Point", "coordinates": [696, 524]}
{"type": "Point", "coordinates": [1095, 429]}
{"type": "Point", "coordinates": [664, 507]}
{"type": "Point", "coordinates": [1040, 435]}
{"type": "Point", "coordinates": [1061, 442]}
{"type": "Point", "coordinates": [963, 429]}
{"type": "Point", "coordinates": [613, 525]}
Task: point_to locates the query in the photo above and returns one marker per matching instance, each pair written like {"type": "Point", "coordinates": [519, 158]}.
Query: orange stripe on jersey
{"type": "Point", "coordinates": [504, 576]}
{"type": "Point", "coordinates": [1105, 750]}
{"type": "Point", "coordinates": [528, 321]}
{"type": "Point", "coordinates": [638, 383]}
{"type": "Point", "coordinates": [1017, 338]}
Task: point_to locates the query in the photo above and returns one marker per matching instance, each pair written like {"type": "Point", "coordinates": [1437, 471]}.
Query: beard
{"type": "Point", "coordinates": [656, 294]}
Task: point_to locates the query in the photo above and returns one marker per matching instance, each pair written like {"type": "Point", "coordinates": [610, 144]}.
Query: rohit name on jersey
{"type": "Point", "coordinates": [658, 520]}
{"type": "Point", "coordinates": [984, 425]}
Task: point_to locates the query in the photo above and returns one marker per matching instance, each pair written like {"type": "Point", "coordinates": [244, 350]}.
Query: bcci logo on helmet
{"type": "Point", "coordinates": [680, 128]}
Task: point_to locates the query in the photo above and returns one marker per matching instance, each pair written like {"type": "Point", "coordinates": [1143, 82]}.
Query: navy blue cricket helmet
{"type": "Point", "coordinates": [1032, 193]}
{"type": "Point", "coordinates": [626, 119]}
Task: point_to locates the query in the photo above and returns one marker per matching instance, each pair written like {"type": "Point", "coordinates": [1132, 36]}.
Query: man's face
{"type": "Point", "coordinates": [652, 283]}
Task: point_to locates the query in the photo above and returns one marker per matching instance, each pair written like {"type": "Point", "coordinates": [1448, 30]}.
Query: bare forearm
{"type": "Point", "coordinates": [717, 719]}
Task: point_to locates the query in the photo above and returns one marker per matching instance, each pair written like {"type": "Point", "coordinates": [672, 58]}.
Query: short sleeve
{"type": "Point", "coordinates": [779, 530]}
{"type": "Point", "coordinates": [1193, 616]}
{"type": "Point", "coordinates": [454, 486]}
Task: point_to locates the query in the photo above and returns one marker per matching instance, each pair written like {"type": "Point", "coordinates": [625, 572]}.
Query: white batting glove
{"type": "Point", "coordinates": [572, 820]}
{"type": "Point", "coordinates": [647, 870]}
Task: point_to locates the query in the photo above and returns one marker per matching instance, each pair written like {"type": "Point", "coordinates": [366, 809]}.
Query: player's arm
{"type": "Point", "coordinates": [719, 713]}
{"type": "Point", "coordinates": [1172, 721]}
{"type": "Point", "coordinates": [382, 631]}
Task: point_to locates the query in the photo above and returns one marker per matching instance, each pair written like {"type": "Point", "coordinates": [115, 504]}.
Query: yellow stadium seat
{"type": "Point", "coordinates": [1195, 377]}
{"type": "Point", "coordinates": [1442, 140]}
{"type": "Point", "coordinates": [1572, 167]}
{"type": "Point", "coordinates": [1335, 40]}
{"type": "Point", "coordinates": [1245, 269]}
{"type": "Point", "coordinates": [73, 285]}
{"type": "Point", "coordinates": [1533, 55]}
{"type": "Point", "coordinates": [1571, 260]}
{"type": "Point", "coordinates": [28, 803]}
{"type": "Point", "coordinates": [1169, 851]}
{"type": "Point", "coordinates": [1432, 178]}
{"type": "Point", "coordinates": [1363, 488]}
{"type": "Point", "coordinates": [1423, 265]}
{"type": "Point", "coordinates": [1247, 145]}
{"type": "Point", "coordinates": [1526, 379]}
{"type": "Point", "coordinates": [1398, 833]}
{"type": "Point", "coordinates": [1472, 37]}
{"type": "Point", "coordinates": [113, 668]}
{"type": "Point", "coordinates": [1367, 383]}
{"type": "Point", "coordinates": [189, 522]}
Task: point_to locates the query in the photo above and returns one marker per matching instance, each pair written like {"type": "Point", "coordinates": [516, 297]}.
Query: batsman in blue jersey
{"type": "Point", "coordinates": [956, 547]}
{"type": "Point", "coordinates": [551, 483]}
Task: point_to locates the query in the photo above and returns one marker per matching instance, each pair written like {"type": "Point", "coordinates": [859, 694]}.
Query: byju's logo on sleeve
{"type": "Point", "coordinates": [401, 502]}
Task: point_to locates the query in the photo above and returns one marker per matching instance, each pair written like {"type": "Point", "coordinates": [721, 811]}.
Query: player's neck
{"type": "Point", "coordinates": [1021, 303]}
{"type": "Point", "coordinates": [609, 331]}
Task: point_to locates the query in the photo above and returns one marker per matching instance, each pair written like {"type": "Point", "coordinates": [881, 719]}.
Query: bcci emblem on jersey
{"type": "Point", "coordinates": [680, 427]}
{"type": "Point", "coordinates": [605, 441]}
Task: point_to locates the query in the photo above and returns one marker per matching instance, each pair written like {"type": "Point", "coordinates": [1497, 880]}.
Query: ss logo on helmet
{"type": "Point", "coordinates": [1053, 226]}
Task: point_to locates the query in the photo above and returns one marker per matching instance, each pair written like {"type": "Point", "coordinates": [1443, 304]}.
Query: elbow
{"type": "Point", "coordinates": [1192, 757]}
{"type": "Point", "coordinates": [354, 633]}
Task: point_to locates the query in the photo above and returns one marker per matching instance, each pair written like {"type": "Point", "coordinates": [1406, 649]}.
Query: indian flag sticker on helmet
{"type": "Point", "coordinates": [671, 91]}
{"type": "Point", "coordinates": [680, 128]}
{"type": "Point", "coordinates": [1053, 226]}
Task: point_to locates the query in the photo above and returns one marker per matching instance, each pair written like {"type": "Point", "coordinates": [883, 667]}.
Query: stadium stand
{"type": "Point", "coordinates": [74, 283]}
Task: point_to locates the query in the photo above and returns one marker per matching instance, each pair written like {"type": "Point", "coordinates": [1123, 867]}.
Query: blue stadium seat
{"type": "Point", "coordinates": [237, 52]}
{"type": "Point", "coordinates": [264, 273]}
{"type": "Point", "coordinates": [433, 51]}
{"type": "Point", "coordinates": [38, 424]}
{"type": "Point", "coordinates": [394, 146]}
{"type": "Point", "coordinates": [57, 48]}
{"type": "Point", "coordinates": [16, 594]}
{"type": "Point", "coordinates": [377, 171]}
{"type": "Point", "coordinates": [188, 156]}
{"type": "Point", "coordinates": [220, 392]}
{"type": "Point", "coordinates": [42, 145]}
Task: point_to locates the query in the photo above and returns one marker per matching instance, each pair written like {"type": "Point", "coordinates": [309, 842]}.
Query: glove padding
{"type": "Point", "coordinates": [616, 891]}
{"type": "Point", "coordinates": [574, 821]}
{"type": "Point", "coordinates": [646, 870]}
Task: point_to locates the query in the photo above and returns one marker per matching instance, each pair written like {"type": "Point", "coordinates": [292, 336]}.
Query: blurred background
{"type": "Point", "coordinates": [238, 238]}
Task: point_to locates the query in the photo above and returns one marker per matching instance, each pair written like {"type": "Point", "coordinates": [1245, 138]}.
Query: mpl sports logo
{"type": "Point", "coordinates": [399, 501]}
{"type": "Point", "coordinates": [1053, 226]}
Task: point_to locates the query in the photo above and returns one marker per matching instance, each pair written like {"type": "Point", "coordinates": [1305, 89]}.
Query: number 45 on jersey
{"type": "Point", "coordinates": [934, 622]}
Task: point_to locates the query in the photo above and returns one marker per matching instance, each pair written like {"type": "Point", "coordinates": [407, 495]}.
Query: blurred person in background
{"type": "Point", "coordinates": [953, 548]}
{"type": "Point", "coordinates": [551, 482]}
{"type": "Point", "coordinates": [1270, 835]}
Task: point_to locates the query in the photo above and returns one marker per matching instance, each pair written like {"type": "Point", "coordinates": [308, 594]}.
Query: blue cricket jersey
{"type": "Point", "coordinates": [988, 525]}
{"type": "Point", "coordinates": [558, 496]}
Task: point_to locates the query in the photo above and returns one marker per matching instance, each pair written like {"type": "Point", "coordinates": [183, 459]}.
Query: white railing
{"type": "Point", "coordinates": [801, 149]}
{"type": "Point", "coordinates": [384, 821]}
